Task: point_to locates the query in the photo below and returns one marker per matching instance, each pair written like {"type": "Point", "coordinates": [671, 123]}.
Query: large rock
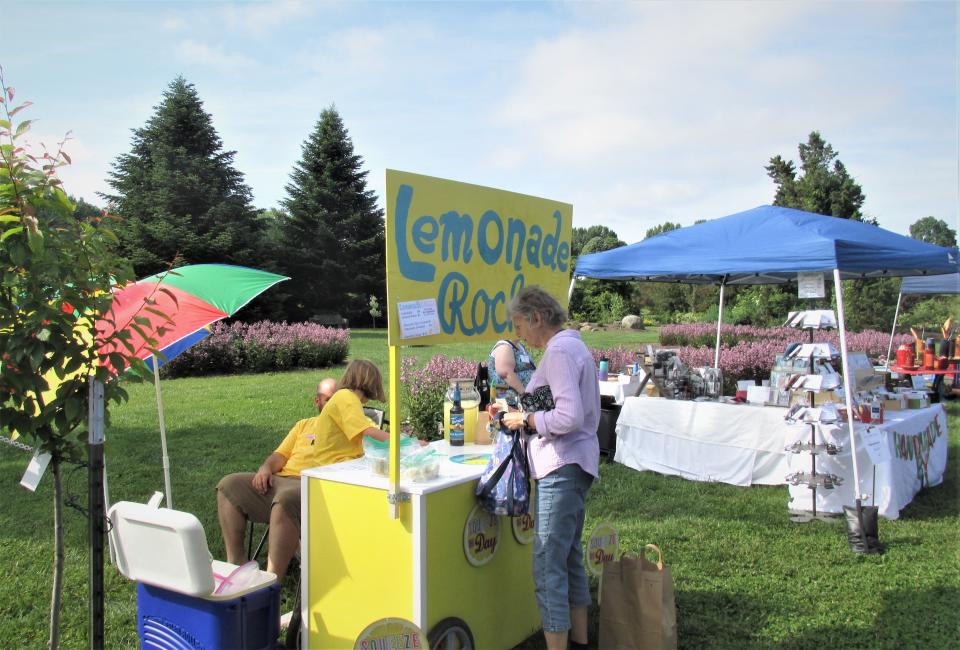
{"type": "Point", "coordinates": [632, 322]}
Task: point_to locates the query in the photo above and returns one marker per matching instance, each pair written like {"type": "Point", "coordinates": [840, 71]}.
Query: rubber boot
{"type": "Point", "coordinates": [863, 529]}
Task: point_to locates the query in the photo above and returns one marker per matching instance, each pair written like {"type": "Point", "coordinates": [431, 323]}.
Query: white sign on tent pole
{"type": "Point", "coordinates": [810, 285]}
{"type": "Point", "coordinates": [875, 440]}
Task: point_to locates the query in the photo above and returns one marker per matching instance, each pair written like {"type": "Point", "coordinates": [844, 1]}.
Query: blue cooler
{"type": "Point", "coordinates": [168, 620]}
{"type": "Point", "coordinates": [178, 607]}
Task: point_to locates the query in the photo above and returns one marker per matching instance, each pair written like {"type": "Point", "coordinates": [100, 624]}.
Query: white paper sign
{"type": "Point", "coordinates": [36, 468]}
{"type": "Point", "coordinates": [418, 318]}
{"type": "Point", "coordinates": [875, 440]}
{"type": "Point", "coordinates": [810, 285]}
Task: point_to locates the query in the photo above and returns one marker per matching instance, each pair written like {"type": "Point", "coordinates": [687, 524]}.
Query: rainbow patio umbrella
{"type": "Point", "coordinates": [183, 302]}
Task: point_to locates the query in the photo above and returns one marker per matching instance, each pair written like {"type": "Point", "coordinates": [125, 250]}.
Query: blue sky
{"type": "Point", "coordinates": [636, 113]}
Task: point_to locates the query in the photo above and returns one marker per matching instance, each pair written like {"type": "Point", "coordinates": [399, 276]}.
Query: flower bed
{"type": "Point", "coordinates": [746, 352]}
{"type": "Point", "coordinates": [423, 388]}
{"type": "Point", "coordinates": [261, 347]}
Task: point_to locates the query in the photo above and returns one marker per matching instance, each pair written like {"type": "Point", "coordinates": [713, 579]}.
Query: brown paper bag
{"type": "Point", "coordinates": [637, 607]}
{"type": "Point", "coordinates": [482, 435]}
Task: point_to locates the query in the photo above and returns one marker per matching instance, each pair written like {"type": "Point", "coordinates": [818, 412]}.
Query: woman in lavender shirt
{"type": "Point", "coordinates": [564, 458]}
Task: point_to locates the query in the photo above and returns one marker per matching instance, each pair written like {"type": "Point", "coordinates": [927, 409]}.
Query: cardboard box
{"type": "Point", "coordinates": [894, 404]}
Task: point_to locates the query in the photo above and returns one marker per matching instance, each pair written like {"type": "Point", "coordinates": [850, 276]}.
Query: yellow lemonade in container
{"type": "Point", "coordinates": [470, 401]}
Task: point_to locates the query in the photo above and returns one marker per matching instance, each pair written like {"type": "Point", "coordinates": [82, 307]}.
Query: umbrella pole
{"type": "Point", "coordinates": [163, 432]}
{"type": "Point", "coordinates": [716, 352]}
{"type": "Point", "coordinates": [848, 394]}
{"type": "Point", "coordinates": [896, 314]}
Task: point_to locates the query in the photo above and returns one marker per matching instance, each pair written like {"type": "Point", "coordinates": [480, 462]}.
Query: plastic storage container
{"type": "Point", "coordinates": [377, 454]}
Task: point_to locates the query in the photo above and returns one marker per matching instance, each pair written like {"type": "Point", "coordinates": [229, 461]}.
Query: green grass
{"type": "Point", "coordinates": [744, 575]}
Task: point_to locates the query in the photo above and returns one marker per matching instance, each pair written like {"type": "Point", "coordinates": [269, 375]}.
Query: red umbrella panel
{"type": "Point", "coordinates": [189, 298]}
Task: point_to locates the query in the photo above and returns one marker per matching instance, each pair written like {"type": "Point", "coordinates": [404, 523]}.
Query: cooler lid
{"type": "Point", "coordinates": [161, 547]}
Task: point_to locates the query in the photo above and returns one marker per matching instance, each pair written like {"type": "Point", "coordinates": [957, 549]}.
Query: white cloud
{"type": "Point", "coordinates": [173, 23]}
{"type": "Point", "coordinates": [259, 17]}
{"type": "Point", "coordinates": [691, 100]}
{"type": "Point", "coordinates": [196, 53]}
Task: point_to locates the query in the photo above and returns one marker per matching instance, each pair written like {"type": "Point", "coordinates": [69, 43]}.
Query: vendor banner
{"type": "Point", "coordinates": [457, 254]}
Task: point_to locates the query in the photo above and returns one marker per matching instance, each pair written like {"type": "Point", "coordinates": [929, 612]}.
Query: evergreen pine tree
{"type": "Point", "coordinates": [178, 192]}
{"type": "Point", "coordinates": [334, 242]}
{"type": "Point", "coordinates": [825, 187]}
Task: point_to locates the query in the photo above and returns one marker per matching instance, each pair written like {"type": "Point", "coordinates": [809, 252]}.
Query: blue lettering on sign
{"type": "Point", "coordinates": [533, 246]}
{"type": "Point", "coordinates": [516, 232]}
{"type": "Point", "coordinates": [459, 230]}
{"type": "Point", "coordinates": [489, 254]}
{"type": "Point", "coordinates": [417, 271]}
{"type": "Point", "coordinates": [509, 243]}
{"type": "Point", "coordinates": [424, 233]}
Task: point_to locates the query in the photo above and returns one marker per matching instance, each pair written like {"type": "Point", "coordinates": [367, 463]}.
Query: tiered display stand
{"type": "Point", "coordinates": [820, 377]}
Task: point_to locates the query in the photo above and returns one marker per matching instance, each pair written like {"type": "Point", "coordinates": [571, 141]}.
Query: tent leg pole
{"type": "Point", "coordinates": [896, 314]}
{"type": "Point", "coordinates": [163, 433]}
{"type": "Point", "coordinates": [848, 393]}
{"type": "Point", "coordinates": [716, 352]}
{"type": "Point", "coordinates": [573, 281]}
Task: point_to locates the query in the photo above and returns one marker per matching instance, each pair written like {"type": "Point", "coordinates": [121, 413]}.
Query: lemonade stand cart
{"type": "Point", "coordinates": [376, 549]}
{"type": "Point", "coordinates": [434, 565]}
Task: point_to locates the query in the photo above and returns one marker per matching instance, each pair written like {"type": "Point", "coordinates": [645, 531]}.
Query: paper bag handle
{"type": "Point", "coordinates": [659, 554]}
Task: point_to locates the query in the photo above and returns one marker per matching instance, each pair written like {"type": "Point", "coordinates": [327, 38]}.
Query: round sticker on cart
{"type": "Point", "coordinates": [390, 633]}
{"type": "Point", "coordinates": [601, 547]}
{"type": "Point", "coordinates": [523, 530]}
{"type": "Point", "coordinates": [470, 459]}
{"type": "Point", "coordinates": [481, 534]}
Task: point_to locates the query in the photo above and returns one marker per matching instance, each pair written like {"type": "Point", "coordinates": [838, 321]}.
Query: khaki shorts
{"type": "Point", "coordinates": [285, 492]}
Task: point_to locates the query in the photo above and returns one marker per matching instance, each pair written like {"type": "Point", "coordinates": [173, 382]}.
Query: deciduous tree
{"type": "Point", "coordinates": [934, 231]}
{"type": "Point", "coordinates": [57, 271]}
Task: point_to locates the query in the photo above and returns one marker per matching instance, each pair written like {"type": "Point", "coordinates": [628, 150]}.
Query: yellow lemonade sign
{"type": "Point", "coordinates": [457, 253]}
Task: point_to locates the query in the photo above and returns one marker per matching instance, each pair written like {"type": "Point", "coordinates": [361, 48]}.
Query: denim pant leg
{"type": "Point", "coordinates": [558, 573]}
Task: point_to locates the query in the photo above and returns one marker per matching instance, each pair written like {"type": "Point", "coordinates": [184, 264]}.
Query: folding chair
{"type": "Point", "coordinates": [375, 415]}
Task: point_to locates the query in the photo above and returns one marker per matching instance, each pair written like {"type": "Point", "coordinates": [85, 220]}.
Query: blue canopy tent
{"type": "Point", "coordinates": [922, 284]}
{"type": "Point", "coordinates": [771, 244]}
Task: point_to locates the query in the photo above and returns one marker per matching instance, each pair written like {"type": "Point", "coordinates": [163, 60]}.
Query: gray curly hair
{"type": "Point", "coordinates": [534, 300]}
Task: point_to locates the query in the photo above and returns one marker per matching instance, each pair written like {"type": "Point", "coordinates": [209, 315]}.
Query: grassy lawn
{"type": "Point", "coordinates": [745, 576]}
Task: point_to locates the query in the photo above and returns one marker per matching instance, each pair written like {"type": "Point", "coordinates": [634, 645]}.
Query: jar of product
{"type": "Point", "coordinates": [905, 356]}
{"type": "Point", "coordinates": [469, 401]}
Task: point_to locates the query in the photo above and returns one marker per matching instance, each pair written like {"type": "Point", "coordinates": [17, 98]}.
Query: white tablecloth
{"type": "Point", "coordinates": [917, 445]}
{"type": "Point", "coordinates": [704, 441]}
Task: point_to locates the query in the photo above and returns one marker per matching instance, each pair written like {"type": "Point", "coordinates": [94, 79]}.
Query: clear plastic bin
{"type": "Point", "coordinates": [416, 463]}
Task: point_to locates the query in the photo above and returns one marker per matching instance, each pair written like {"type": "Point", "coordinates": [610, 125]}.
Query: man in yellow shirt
{"type": "Point", "coordinates": [332, 436]}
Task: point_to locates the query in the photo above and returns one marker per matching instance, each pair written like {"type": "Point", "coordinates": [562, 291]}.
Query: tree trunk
{"type": "Point", "coordinates": [57, 594]}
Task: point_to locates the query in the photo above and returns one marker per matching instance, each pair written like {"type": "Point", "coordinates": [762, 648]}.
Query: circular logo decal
{"type": "Point", "coordinates": [523, 528]}
{"type": "Point", "coordinates": [601, 547]}
{"type": "Point", "coordinates": [391, 633]}
{"type": "Point", "coordinates": [481, 534]}
{"type": "Point", "coordinates": [470, 459]}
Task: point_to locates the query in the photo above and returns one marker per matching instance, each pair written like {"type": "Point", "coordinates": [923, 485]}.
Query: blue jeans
{"type": "Point", "coordinates": [559, 578]}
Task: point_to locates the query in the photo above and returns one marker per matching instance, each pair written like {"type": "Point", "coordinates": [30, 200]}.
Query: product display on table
{"type": "Point", "coordinates": [818, 375]}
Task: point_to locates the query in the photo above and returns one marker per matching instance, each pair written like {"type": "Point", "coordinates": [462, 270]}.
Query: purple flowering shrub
{"type": "Point", "coordinates": [261, 347]}
{"type": "Point", "coordinates": [747, 352]}
{"type": "Point", "coordinates": [423, 389]}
